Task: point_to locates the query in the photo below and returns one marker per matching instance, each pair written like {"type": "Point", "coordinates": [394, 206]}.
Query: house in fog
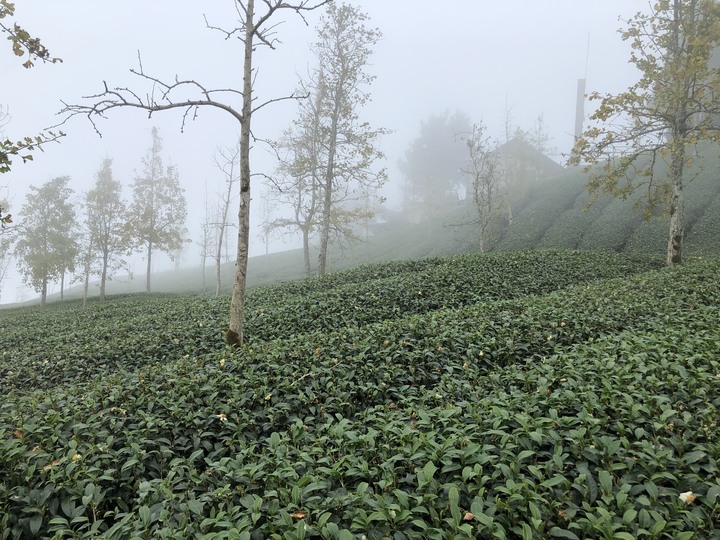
{"type": "Point", "coordinates": [523, 164]}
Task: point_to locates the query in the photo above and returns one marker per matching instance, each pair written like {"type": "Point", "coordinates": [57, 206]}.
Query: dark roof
{"type": "Point", "coordinates": [521, 150]}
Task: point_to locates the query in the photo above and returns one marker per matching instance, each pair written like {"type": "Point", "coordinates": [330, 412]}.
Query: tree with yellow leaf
{"type": "Point", "coordinates": [22, 44]}
{"type": "Point", "coordinates": [648, 135]}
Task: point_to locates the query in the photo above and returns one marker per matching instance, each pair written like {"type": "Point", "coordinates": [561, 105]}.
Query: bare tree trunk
{"type": "Point", "coordinates": [149, 267]}
{"type": "Point", "coordinates": [86, 285]}
{"type": "Point", "coordinates": [217, 270]}
{"type": "Point", "coordinates": [234, 334]}
{"type": "Point", "coordinates": [328, 185]}
{"type": "Point", "coordinates": [676, 232]}
{"type": "Point", "coordinates": [306, 249]}
{"type": "Point", "coordinates": [62, 286]}
{"type": "Point", "coordinates": [325, 230]}
{"type": "Point", "coordinates": [43, 293]}
{"type": "Point", "coordinates": [86, 273]}
{"type": "Point", "coordinates": [103, 276]}
{"type": "Point", "coordinates": [204, 282]}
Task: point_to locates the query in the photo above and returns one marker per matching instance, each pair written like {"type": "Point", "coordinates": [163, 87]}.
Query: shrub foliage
{"type": "Point", "coordinates": [516, 395]}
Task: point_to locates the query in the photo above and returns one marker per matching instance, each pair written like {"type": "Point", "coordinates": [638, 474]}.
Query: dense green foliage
{"type": "Point", "coordinates": [516, 395]}
{"type": "Point", "coordinates": [555, 215]}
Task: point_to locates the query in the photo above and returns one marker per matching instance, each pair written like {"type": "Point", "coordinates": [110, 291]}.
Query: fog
{"type": "Point", "coordinates": [476, 56]}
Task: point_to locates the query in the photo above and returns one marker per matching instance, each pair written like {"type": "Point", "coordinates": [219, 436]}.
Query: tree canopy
{"type": "Point", "coordinates": [158, 210]}
{"type": "Point", "coordinates": [647, 136]}
{"type": "Point", "coordinates": [106, 223]}
{"type": "Point", "coordinates": [47, 244]}
{"type": "Point", "coordinates": [432, 162]}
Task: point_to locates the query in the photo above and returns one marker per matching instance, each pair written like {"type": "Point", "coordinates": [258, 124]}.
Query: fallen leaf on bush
{"type": "Point", "coordinates": [52, 464]}
{"type": "Point", "coordinates": [299, 514]}
{"type": "Point", "coordinates": [469, 516]}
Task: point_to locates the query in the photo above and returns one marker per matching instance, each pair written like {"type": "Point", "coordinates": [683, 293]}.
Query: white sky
{"type": "Point", "coordinates": [471, 55]}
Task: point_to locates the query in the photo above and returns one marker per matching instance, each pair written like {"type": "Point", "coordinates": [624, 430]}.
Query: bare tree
{"type": "Point", "coordinates": [206, 239]}
{"type": "Point", "coordinates": [539, 138]}
{"type": "Point", "coordinates": [485, 174]}
{"type": "Point", "coordinates": [298, 185]}
{"type": "Point", "coordinates": [256, 27]}
{"type": "Point", "coordinates": [227, 161]}
{"type": "Point", "coordinates": [267, 208]}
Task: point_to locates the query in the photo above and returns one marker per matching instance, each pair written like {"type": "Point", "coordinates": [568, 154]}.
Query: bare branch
{"type": "Point", "coordinates": [276, 100]}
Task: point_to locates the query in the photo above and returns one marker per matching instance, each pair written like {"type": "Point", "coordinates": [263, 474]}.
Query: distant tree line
{"type": "Point", "coordinates": [61, 236]}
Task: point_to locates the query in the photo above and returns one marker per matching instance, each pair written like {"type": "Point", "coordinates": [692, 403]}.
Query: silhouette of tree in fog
{"type": "Point", "coordinates": [431, 166]}
{"type": "Point", "coordinates": [158, 210]}
{"type": "Point", "coordinates": [483, 169]}
{"type": "Point", "coordinates": [106, 221]}
{"type": "Point", "coordinates": [327, 171]}
{"type": "Point", "coordinates": [47, 248]}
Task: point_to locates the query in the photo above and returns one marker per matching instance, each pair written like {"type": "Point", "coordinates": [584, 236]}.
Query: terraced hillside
{"type": "Point", "coordinates": [551, 394]}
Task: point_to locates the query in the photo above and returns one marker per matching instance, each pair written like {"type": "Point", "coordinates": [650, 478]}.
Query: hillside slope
{"type": "Point", "coordinates": [544, 394]}
{"type": "Point", "coordinates": [550, 214]}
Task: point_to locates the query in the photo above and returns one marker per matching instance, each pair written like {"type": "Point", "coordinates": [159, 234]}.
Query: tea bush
{"type": "Point", "coordinates": [572, 407]}
{"type": "Point", "coordinates": [63, 343]}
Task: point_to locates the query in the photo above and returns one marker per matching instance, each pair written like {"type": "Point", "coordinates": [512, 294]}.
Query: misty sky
{"type": "Point", "coordinates": [475, 56]}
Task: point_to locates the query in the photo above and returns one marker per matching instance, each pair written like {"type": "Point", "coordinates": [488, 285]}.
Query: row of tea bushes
{"type": "Point", "coordinates": [447, 283]}
{"type": "Point", "coordinates": [46, 347]}
{"type": "Point", "coordinates": [358, 431]}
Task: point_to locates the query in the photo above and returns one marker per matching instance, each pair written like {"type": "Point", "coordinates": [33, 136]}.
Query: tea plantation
{"type": "Point", "coordinates": [531, 395]}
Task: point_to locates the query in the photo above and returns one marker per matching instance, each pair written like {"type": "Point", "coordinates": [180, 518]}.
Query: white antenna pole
{"type": "Point", "coordinates": [580, 100]}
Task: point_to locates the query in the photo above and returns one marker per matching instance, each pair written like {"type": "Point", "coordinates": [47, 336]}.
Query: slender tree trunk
{"type": "Point", "coordinates": [86, 286]}
{"type": "Point", "coordinates": [676, 233]}
{"type": "Point", "coordinates": [43, 293]}
{"type": "Point", "coordinates": [62, 286]}
{"type": "Point", "coordinates": [325, 230]}
{"type": "Point", "coordinates": [234, 334]}
{"type": "Point", "coordinates": [328, 185]}
{"type": "Point", "coordinates": [103, 276]}
{"type": "Point", "coordinates": [86, 275]}
{"type": "Point", "coordinates": [306, 249]}
{"type": "Point", "coordinates": [149, 266]}
{"type": "Point", "coordinates": [217, 274]}
{"type": "Point", "coordinates": [218, 254]}
{"type": "Point", "coordinates": [203, 274]}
